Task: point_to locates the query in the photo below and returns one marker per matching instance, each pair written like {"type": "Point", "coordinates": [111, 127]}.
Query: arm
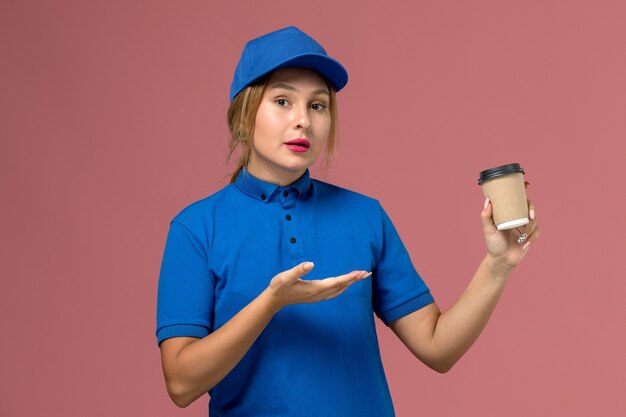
{"type": "Point", "coordinates": [193, 366]}
{"type": "Point", "coordinates": [440, 339]}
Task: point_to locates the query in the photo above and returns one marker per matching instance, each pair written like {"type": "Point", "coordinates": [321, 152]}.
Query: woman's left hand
{"type": "Point", "coordinates": [502, 245]}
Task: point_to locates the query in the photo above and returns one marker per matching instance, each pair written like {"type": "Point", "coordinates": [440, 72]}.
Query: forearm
{"type": "Point", "coordinates": [440, 339]}
{"type": "Point", "coordinates": [458, 328]}
{"type": "Point", "coordinates": [201, 365]}
{"type": "Point", "coordinates": [193, 369]}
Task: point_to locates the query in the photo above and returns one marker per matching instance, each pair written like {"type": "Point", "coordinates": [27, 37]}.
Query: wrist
{"type": "Point", "coordinates": [270, 301]}
{"type": "Point", "coordinates": [499, 268]}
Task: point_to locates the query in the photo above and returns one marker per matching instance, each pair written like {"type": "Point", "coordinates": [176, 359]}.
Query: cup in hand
{"type": "Point", "coordinates": [504, 186]}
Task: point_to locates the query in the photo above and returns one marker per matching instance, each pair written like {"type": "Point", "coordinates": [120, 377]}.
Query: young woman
{"type": "Point", "coordinates": [268, 286]}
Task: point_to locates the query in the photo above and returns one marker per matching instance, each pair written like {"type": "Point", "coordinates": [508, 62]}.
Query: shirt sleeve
{"type": "Point", "coordinates": [186, 289]}
{"type": "Point", "coordinates": [398, 288]}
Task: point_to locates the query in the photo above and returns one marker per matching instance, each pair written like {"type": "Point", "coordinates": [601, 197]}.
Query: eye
{"type": "Point", "coordinates": [318, 106]}
{"type": "Point", "coordinates": [282, 102]}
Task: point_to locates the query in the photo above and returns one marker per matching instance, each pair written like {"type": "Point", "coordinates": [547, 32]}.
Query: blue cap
{"type": "Point", "coordinates": [288, 47]}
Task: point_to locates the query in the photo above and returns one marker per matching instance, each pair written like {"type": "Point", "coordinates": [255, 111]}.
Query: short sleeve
{"type": "Point", "coordinates": [398, 288]}
{"type": "Point", "coordinates": [186, 290]}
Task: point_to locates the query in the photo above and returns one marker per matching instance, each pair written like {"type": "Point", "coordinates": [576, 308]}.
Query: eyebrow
{"type": "Point", "coordinates": [292, 88]}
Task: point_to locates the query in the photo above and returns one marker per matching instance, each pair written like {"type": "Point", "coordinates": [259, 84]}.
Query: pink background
{"type": "Point", "coordinates": [113, 119]}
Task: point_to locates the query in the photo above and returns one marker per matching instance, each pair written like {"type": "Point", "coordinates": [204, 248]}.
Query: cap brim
{"type": "Point", "coordinates": [330, 68]}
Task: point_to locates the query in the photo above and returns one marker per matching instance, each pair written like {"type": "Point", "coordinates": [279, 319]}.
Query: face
{"type": "Point", "coordinates": [292, 125]}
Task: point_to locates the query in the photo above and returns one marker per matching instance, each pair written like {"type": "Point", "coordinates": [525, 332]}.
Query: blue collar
{"type": "Point", "coordinates": [266, 191]}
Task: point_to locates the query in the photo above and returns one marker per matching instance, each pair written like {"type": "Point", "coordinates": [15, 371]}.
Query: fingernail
{"type": "Point", "coordinates": [486, 203]}
{"type": "Point", "coordinates": [526, 245]}
{"type": "Point", "coordinates": [532, 214]}
{"type": "Point", "coordinates": [308, 265]}
{"type": "Point", "coordinates": [366, 275]}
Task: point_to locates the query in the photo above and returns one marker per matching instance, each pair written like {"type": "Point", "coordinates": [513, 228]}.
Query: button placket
{"type": "Point", "coordinates": [288, 201]}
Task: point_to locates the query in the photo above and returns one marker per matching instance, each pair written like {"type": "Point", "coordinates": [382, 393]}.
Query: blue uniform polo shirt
{"type": "Point", "coordinates": [315, 359]}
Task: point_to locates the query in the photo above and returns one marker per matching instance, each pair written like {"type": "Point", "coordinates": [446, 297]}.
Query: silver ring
{"type": "Point", "coordinates": [522, 236]}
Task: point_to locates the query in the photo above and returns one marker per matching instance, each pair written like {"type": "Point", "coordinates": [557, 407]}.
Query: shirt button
{"type": "Point", "coordinates": [262, 196]}
{"type": "Point", "coordinates": [288, 217]}
{"type": "Point", "coordinates": [292, 240]}
{"type": "Point", "coordinates": [285, 193]}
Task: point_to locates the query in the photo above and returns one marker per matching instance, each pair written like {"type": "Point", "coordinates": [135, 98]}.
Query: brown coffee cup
{"type": "Point", "coordinates": [504, 186]}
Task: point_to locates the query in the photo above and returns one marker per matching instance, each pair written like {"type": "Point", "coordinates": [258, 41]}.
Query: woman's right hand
{"type": "Point", "coordinates": [287, 287]}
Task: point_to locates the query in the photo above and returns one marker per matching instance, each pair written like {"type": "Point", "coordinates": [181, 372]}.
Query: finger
{"type": "Point", "coordinates": [351, 277]}
{"type": "Point", "coordinates": [531, 210]}
{"type": "Point", "coordinates": [532, 215]}
{"type": "Point", "coordinates": [486, 217]}
{"type": "Point", "coordinates": [340, 286]}
{"type": "Point", "coordinates": [299, 270]}
{"type": "Point", "coordinates": [532, 237]}
{"type": "Point", "coordinates": [339, 282]}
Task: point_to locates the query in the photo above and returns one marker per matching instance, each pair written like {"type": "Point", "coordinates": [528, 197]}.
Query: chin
{"type": "Point", "coordinates": [297, 166]}
{"type": "Point", "coordinates": [296, 169]}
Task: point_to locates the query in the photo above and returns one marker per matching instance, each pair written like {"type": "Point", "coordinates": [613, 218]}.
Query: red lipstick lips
{"type": "Point", "coordinates": [303, 142]}
{"type": "Point", "coordinates": [298, 145]}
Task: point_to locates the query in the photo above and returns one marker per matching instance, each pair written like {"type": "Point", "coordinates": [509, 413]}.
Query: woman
{"type": "Point", "coordinates": [245, 315]}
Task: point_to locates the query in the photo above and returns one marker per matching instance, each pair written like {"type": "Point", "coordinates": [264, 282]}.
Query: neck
{"type": "Point", "coordinates": [280, 178]}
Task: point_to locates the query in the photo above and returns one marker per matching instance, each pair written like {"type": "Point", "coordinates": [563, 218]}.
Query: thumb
{"type": "Point", "coordinates": [485, 216]}
{"type": "Point", "coordinates": [300, 270]}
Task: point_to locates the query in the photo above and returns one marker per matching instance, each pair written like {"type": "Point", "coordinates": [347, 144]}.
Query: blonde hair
{"type": "Point", "coordinates": [242, 115]}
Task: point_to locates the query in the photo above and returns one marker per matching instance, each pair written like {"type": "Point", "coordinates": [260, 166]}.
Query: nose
{"type": "Point", "coordinates": [302, 120]}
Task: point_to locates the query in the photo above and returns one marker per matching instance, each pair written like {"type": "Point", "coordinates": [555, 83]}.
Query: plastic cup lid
{"type": "Point", "coordinates": [500, 171]}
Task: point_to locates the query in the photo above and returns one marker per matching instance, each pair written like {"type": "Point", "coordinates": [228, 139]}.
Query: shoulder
{"type": "Point", "coordinates": [198, 213]}
{"type": "Point", "coordinates": [337, 194]}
